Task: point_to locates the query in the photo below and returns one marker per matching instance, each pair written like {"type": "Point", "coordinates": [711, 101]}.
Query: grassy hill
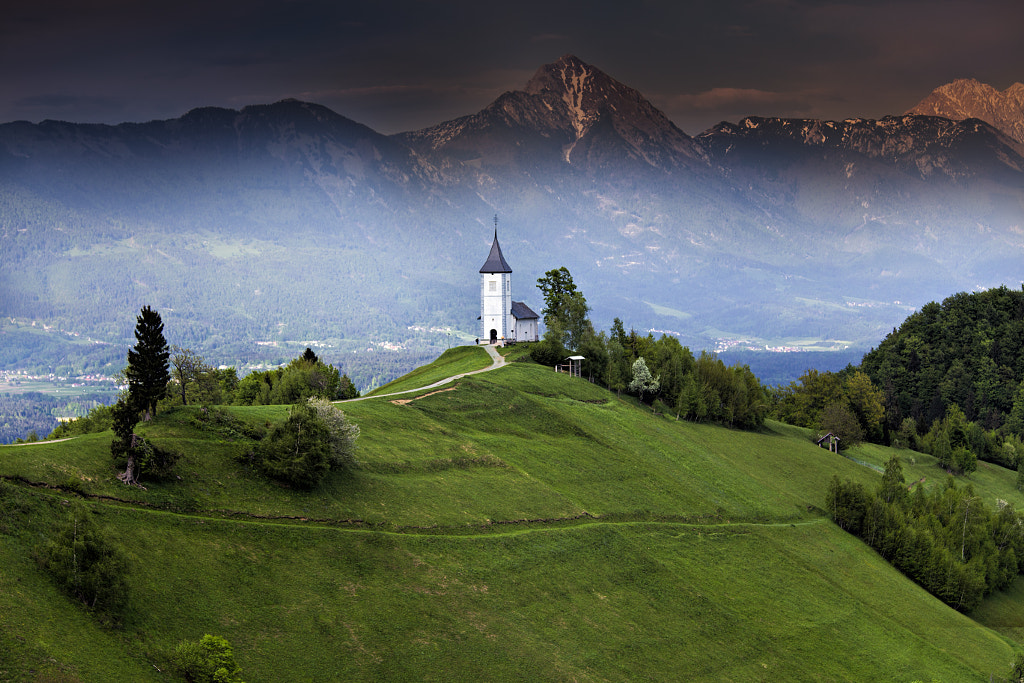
{"type": "Point", "coordinates": [515, 525]}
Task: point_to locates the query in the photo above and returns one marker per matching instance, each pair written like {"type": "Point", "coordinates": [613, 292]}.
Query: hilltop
{"type": "Point", "coordinates": [513, 524]}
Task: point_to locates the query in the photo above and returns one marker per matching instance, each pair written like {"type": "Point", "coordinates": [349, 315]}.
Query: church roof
{"type": "Point", "coordinates": [521, 311]}
{"type": "Point", "coordinates": [495, 263]}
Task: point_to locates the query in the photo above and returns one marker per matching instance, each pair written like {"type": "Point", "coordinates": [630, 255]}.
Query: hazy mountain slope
{"type": "Point", "coordinates": [283, 221]}
{"type": "Point", "coordinates": [290, 223]}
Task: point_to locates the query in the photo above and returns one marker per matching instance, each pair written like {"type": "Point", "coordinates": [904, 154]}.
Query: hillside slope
{"type": "Point", "coordinates": [521, 525]}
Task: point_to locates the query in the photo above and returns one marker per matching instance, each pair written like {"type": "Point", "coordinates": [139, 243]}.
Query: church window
{"type": "Point", "coordinates": [492, 286]}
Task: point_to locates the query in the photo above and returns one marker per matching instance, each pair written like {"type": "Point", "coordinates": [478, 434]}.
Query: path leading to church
{"type": "Point", "coordinates": [497, 361]}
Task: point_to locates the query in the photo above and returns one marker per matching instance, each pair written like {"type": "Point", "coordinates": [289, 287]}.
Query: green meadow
{"type": "Point", "coordinates": [511, 525]}
{"type": "Point", "coordinates": [457, 361]}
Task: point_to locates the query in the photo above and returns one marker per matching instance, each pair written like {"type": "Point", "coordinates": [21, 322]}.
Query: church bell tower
{"type": "Point", "coordinates": [496, 295]}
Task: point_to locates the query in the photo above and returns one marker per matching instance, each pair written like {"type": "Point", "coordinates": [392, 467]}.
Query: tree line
{"type": "Point", "coordinates": [949, 542]}
{"type": "Point", "coordinates": [660, 372]}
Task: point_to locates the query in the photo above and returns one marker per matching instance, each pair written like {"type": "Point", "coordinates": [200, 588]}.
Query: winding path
{"type": "Point", "coordinates": [497, 361]}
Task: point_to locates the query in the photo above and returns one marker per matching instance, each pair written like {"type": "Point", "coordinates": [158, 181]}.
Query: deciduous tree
{"type": "Point", "coordinates": [838, 419]}
{"type": "Point", "coordinates": [188, 368]}
{"type": "Point", "coordinates": [210, 660]}
{"type": "Point", "coordinates": [566, 304]}
{"type": "Point", "coordinates": [342, 433]}
{"type": "Point", "coordinates": [643, 382]}
{"type": "Point", "coordinates": [298, 451]}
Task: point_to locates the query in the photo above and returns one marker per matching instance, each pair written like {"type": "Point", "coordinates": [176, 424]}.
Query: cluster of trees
{"type": "Point", "coordinates": [844, 403]}
{"type": "Point", "coordinates": [302, 378]}
{"type": "Point", "coordinates": [949, 382]}
{"type": "Point", "coordinates": [849, 405]}
{"type": "Point", "coordinates": [659, 370]}
{"type": "Point", "coordinates": [313, 440]}
{"type": "Point", "coordinates": [949, 541]}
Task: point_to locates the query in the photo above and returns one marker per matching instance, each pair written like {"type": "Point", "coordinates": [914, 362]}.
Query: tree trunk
{"type": "Point", "coordinates": [128, 476]}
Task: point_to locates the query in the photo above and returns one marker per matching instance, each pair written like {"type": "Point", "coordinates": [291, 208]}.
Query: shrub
{"type": "Point", "coordinates": [342, 433]}
{"type": "Point", "coordinates": [86, 564]}
{"type": "Point", "coordinates": [210, 660]}
{"type": "Point", "coordinates": [298, 451]}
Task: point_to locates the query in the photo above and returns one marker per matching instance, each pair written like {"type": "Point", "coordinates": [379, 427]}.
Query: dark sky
{"type": "Point", "coordinates": [403, 65]}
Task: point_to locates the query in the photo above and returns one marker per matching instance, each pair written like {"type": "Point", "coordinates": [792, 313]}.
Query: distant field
{"type": "Point", "coordinates": [55, 389]}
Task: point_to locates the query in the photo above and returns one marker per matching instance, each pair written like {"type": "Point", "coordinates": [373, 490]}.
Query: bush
{"type": "Point", "coordinates": [342, 433]}
{"type": "Point", "coordinates": [298, 451]}
{"type": "Point", "coordinates": [86, 564]}
{"type": "Point", "coordinates": [210, 660]}
{"type": "Point", "coordinates": [221, 421]}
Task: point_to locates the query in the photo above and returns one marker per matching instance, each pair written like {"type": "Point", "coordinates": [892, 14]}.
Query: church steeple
{"type": "Point", "coordinates": [496, 262]}
{"type": "Point", "coordinates": [496, 295]}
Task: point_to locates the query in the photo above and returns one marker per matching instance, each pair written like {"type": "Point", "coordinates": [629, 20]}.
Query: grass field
{"type": "Point", "coordinates": [523, 525]}
{"type": "Point", "coordinates": [456, 361]}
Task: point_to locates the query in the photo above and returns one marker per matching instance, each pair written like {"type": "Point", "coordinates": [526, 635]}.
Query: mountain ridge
{"type": "Point", "coordinates": [288, 222]}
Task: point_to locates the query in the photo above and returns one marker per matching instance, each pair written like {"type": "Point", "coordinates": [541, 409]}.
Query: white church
{"type": "Point", "coordinates": [503, 320]}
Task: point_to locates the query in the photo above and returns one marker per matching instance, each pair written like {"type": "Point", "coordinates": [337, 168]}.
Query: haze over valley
{"type": "Point", "coordinates": [288, 224]}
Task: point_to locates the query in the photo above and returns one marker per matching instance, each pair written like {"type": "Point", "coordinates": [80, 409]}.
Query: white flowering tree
{"type": "Point", "coordinates": [643, 382]}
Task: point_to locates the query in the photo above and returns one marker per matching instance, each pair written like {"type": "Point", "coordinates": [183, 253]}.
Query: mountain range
{"type": "Point", "coordinates": [259, 230]}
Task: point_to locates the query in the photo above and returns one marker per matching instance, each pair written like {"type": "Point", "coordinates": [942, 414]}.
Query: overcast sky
{"type": "Point", "coordinates": [403, 65]}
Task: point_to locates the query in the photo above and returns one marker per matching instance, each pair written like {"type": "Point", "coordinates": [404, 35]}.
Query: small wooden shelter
{"type": "Point", "coordinates": [829, 441]}
{"type": "Point", "coordinates": [573, 365]}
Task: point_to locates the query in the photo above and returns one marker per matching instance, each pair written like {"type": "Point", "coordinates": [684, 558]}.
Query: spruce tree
{"type": "Point", "coordinates": [148, 365]}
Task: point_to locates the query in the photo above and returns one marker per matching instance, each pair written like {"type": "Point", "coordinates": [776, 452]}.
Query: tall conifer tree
{"type": "Point", "coordinates": [147, 371]}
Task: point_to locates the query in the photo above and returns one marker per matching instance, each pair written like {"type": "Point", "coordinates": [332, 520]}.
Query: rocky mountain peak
{"type": "Point", "coordinates": [597, 121]}
{"type": "Point", "coordinates": [967, 98]}
{"type": "Point", "coordinates": [589, 93]}
{"type": "Point", "coordinates": [594, 101]}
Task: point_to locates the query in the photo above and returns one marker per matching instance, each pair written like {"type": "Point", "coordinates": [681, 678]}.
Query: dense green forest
{"type": "Point", "coordinates": [966, 351]}
{"type": "Point", "coordinates": [947, 383]}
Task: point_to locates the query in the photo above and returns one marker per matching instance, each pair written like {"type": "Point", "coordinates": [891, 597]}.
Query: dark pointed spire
{"type": "Point", "coordinates": [496, 263]}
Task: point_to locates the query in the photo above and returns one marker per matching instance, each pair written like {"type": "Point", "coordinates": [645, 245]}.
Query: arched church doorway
{"type": "Point", "coordinates": [494, 336]}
